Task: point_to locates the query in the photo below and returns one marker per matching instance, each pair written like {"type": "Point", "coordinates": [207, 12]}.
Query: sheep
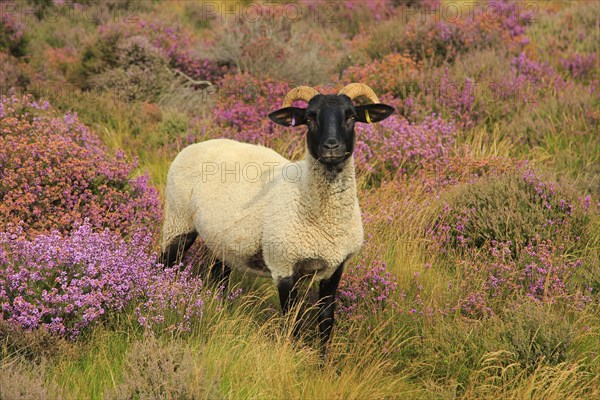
{"type": "Point", "coordinates": [279, 219]}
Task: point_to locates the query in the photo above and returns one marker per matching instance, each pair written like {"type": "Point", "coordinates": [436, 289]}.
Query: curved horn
{"type": "Point", "coordinates": [356, 90]}
{"type": "Point", "coordinates": [299, 93]}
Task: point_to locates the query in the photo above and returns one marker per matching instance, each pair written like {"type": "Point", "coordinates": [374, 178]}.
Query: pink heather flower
{"type": "Point", "coordinates": [396, 146]}
{"type": "Point", "coordinates": [365, 289]}
{"type": "Point", "coordinates": [67, 283]}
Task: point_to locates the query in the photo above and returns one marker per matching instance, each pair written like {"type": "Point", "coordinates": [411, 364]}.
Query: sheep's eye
{"type": "Point", "coordinates": [351, 118]}
{"type": "Point", "coordinates": [309, 120]}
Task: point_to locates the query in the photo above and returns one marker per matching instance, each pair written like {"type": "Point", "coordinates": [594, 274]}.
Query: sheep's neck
{"type": "Point", "coordinates": [325, 185]}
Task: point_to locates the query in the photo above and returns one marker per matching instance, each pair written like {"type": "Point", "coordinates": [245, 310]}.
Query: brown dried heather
{"type": "Point", "coordinates": [19, 381]}
{"type": "Point", "coordinates": [154, 370]}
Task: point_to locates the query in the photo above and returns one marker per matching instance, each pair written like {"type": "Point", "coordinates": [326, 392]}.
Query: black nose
{"type": "Point", "coordinates": [331, 144]}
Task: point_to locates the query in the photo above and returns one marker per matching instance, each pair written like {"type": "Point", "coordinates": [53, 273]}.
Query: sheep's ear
{"type": "Point", "coordinates": [289, 116]}
{"type": "Point", "coordinates": [373, 112]}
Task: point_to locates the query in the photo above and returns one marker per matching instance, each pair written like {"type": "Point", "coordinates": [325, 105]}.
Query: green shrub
{"type": "Point", "coordinates": [12, 73]}
{"type": "Point", "coordinates": [512, 208]}
{"type": "Point", "coordinates": [12, 36]}
{"type": "Point", "coordinates": [537, 333]}
{"type": "Point", "coordinates": [140, 72]}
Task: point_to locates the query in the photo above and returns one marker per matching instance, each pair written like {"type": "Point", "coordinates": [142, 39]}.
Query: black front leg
{"type": "Point", "coordinates": [288, 297]}
{"type": "Point", "coordinates": [327, 291]}
{"type": "Point", "coordinates": [173, 253]}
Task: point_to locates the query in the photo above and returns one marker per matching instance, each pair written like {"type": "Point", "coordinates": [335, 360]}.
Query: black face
{"type": "Point", "coordinates": [330, 120]}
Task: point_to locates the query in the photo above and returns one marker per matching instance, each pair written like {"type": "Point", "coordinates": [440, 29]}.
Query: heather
{"type": "Point", "coordinates": [12, 36]}
{"type": "Point", "coordinates": [147, 363]}
{"type": "Point", "coordinates": [478, 277]}
{"type": "Point", "coordinates": [398, 148]}
{"type": "Point", "coordinates": [64, 284]}
{"type": "Point", "coordinates": [55, 172]}
{"type": "Point", "coordinates": [365, 289]}
{"type": "Point", "coordinates": [542, 272]}
{"type": "Point", "coordinates": [579, 66]}
{"type": "Point", "coordinates": [394, 73]}
{"type": "Point", "coordinates": [168, 40]}
{"type": "Point", "coordinates": [241, 109]}
{"type": "Point", "coordinates": [515, 207]}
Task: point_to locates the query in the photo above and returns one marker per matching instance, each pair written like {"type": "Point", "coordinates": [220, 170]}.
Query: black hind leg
{"type": "Point", "coordinates": [219, 274]}
{"type": "Point", "coordinates": [174, 252]}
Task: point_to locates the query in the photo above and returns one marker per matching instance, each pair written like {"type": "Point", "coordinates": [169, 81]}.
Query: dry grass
{"type": "Point", "coordinates": [502, 378]}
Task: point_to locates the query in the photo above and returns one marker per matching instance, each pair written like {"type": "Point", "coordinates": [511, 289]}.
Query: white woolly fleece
{"type": "Point", "coordinates": [248, 203]}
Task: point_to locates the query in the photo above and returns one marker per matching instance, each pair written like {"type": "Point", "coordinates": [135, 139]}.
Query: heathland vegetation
{"type": "Point", "coordinates": [480, 273]}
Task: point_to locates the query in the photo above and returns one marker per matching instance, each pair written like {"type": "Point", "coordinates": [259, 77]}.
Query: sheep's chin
{"type": "Point", "coordinates": [334, 164]}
